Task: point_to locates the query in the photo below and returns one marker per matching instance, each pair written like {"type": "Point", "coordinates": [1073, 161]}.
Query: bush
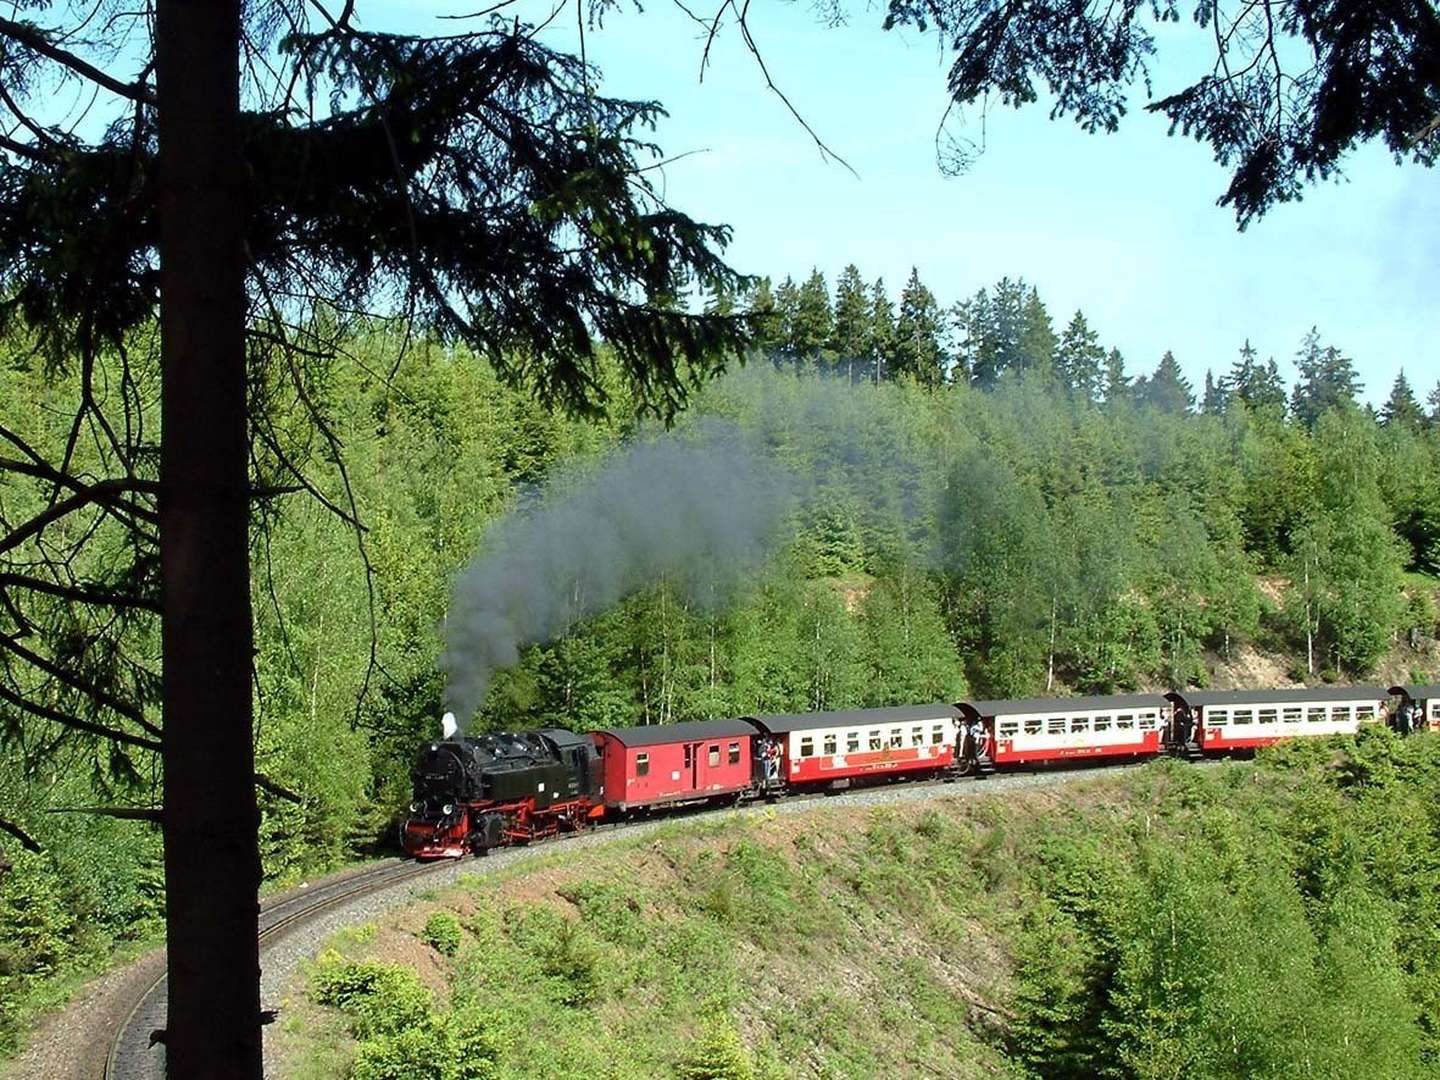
{"type": "Point", "coordinates": [380, 999]}
{"type": "Point", "coordinates": [720, 1055]}
{"type": "Point", "coordinates": [442, 933]}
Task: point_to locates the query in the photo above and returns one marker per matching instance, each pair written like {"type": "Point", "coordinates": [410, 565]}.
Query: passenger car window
{"type": "Point", "coordinates": [807, 746]}
{"type": "Point", "coordinates": [852, 742]}
{"type": "Point", "coordinates": [642, 764]}
{"type": "Point", "coordinates": [830, 744]}
{"type": "Point", "coordinates": [712, 756]}
{"type": "Point", "coordinates": [876, 742]}
{"type": "Point", "coordinates": [734, 753]}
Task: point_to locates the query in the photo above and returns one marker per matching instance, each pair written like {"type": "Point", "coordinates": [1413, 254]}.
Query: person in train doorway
{"type": "Point", "coordinates": [1404, 717]}
{"type": "Point", "coordinates": [772, 759]}
{"type": "Point", "coordinates": [1184, 725]}
{"type": "Point", "coordinates": [974, 741]}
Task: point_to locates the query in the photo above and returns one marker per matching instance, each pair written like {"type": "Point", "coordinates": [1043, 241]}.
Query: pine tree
{"type": "Point", "coordinates": [1402, 410]}
{"type": "Point", "coordinates": [853, 331]}
{"type": "Point", "coordinates": [1168, 389]}
{"type": "Point", "coordinates": [1117, 383]}
{"type": "Point", "coordinates": [917, 333]}
{"type": "Point", "coordinates": [1327, 379]}
{"type": "Point", "coordinates": [1080, 358]}
{"type": "Point", "coordinates": [1038, 345]}
{"type": "Point", "coordinates": [882, 333]}
{"type": "Point", "coordinates": [1434, 402]}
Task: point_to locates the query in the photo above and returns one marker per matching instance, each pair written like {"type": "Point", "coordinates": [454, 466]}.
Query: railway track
{"type": "Point", "coordinates": [132, 1055]}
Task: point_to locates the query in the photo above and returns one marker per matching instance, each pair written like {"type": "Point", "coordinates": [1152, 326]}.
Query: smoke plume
{"type": "Point", "coordinates": [701, 507]}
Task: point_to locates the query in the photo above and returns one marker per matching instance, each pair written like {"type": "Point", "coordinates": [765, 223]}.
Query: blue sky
{"type": "Point", "coordinates": [1123, 226]}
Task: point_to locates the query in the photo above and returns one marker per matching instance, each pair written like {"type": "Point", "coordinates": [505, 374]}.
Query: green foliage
{"type": "Point", "coordinates": [442, 933]}
{"type": "Point", "coordinates": [719, 1054]}
{"type": "Point", "coordinates": [401, 1035]}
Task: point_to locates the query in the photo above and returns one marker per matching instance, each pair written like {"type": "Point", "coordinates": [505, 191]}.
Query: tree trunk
{"type": "Point", "coordinates": [212, 857]}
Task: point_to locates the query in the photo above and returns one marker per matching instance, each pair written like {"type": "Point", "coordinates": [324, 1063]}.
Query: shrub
{"type": "Point", "coordinates": [720, 1055]}
{"type": "Point", "coordinates": [380, 999]}
{"type": "Point", "coordinates": [442, 933]}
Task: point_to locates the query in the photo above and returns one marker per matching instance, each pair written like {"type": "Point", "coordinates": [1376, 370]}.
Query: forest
{"type": "Point", "coordinates": [992, 505]}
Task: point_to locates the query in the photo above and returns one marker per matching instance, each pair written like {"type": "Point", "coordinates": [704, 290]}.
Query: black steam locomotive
{"type": "Point", "coordinates": [473, 793]}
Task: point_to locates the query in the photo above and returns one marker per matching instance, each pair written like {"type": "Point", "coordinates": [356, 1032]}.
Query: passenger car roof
{"type": "Point", "coordinates": [1061, 706]}
{"type": "Point", "coordinates": [781, 723]}
{"type": "Point", "coordinates": [1302, 694]}
{"type": "Point", "coordinates": [664, 734]}
{"type": "Point", "coordinates": [1417, 692]}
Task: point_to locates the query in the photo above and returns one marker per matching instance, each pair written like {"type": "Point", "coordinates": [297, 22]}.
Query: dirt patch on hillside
{"type": "Point", "coordinates": [1250, 669]}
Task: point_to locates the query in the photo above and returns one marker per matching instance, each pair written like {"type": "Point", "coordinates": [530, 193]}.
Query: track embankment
{"type": "Point", "coordinates": [106, 1032]}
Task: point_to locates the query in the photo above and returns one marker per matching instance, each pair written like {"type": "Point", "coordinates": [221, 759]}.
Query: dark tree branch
{"type": "Point", "coordinates": [38, 41]}
{"type": "Point", "coordinates": [103, 492]}
{"type": "Point", "coordinates": [101, 696]}
{"type": "Point", "coordinates": [124, 813]}
{"type": "Point", "coordinates": [78, 594]}
{"type": "Point", "coordinates": [264, 783]}
{"type": "Point", "coordinates": [90, 727]}
{"type": "Point", "coordinates": [28, 842]}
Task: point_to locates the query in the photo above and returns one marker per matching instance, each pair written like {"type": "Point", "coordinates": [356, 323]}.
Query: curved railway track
{"type": "Point", "coordinates": [131, 1057]}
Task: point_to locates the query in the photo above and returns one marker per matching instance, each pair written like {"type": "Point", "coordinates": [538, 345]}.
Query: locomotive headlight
{"type": "Point", "coordinates": [414, 807]}
{"type": "Point", "coordinates": [448, 809]}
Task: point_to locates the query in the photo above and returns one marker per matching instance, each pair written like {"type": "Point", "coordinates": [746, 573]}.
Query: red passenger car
{"type": "Point", "coordinates": [673, 763]}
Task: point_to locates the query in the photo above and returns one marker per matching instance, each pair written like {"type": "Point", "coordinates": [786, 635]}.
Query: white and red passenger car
{"type": "Point", "coordinates": [837, 749]}
{"type": "Point", "coordinates": [1034, 731]}
{"type": "Point", "coordinates": [1229, 720]}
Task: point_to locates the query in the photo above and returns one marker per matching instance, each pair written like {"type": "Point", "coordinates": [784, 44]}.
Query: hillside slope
{"type": "Point", "coordinates": [1266, 919]}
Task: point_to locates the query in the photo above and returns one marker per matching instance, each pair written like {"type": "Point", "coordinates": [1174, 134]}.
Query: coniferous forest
{"type": "Point", "coordinates": [997, 503]}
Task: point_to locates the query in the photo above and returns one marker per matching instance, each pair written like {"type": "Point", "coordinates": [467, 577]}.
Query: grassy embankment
{"type": "Point", "coordinates": [1275, 919]}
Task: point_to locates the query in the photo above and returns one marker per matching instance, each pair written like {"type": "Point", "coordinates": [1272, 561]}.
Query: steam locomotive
{"type": "Point", "coordinates": [475, 793]}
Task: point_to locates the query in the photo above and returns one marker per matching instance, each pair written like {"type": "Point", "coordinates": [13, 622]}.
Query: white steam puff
{"type": "Point", "coordinates": [700, 507]}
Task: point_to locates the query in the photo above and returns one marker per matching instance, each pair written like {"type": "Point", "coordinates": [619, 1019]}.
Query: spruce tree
{"type": "Point", "coordinates": [1433, 400]}
{"type": "Point", "coordinates": [1327, 379]}
{"type": "Point", "coordinates": [1038, 345]}
{"type": "Point", "coordinates": [959, 335]}
{"type": "Point", "coordinates": [1217, 396]}
{"type": "Point", "coordinates": [767, 328]}
{"type": "Point", "coordinates": [1168, 389]}
{"type": "Point", "coordinates": [852, 333]}
{"type": "Point", "coordinates": [1256, 386]}
{"type": "Point", "coordinates": [917, 333]}
{"type": "Point", "coordinates": [1117, 383]}
{"type": "Point", "coordinates": [1080, 358]}
{"type": "Point", "coordinates": [882, 333]}
{"type": "Point", "coordinates": [813, 325]}
{"type": "Point", "coordinates": [787, 312]}
{"type": "Point", "coordinates": [1402, 410]}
